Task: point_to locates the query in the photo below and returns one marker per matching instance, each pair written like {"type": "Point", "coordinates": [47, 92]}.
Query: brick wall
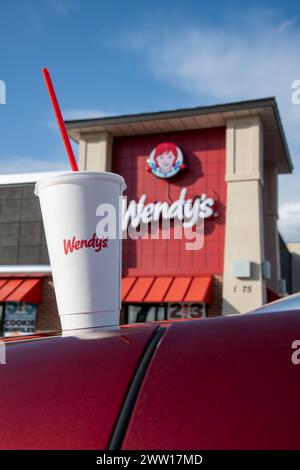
{"type": "Point", "coordinates": [47, 315]}
{"type": "Point", "coordinates": [122, 315]}
{"type": "Point", "coordinates": [215, 308]}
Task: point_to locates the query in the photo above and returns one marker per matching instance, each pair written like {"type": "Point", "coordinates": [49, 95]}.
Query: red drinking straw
{"type": "Point", "coordinates": [59, 119]}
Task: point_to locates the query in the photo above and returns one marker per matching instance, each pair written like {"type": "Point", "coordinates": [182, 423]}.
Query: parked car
{"type": "Point", "coordinates": [217, 383]}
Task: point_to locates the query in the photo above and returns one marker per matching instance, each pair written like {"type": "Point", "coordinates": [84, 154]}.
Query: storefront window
{"type": "Point", "coordinates": [19, 318]}
{"type": "Point", "coordinates": [1, 319]}
{"type": "Point", "coordinates": [181, 310]}
{"type": "Point", "coordinates": [137, 313]}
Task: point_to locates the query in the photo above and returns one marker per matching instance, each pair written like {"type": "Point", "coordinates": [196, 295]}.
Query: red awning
{"type": "Point", "coordinates": [20, 290]}
{"type": "Point", "coordinates": [167, 289]}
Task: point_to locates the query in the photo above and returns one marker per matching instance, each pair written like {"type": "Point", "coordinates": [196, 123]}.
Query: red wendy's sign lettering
{"type": "Point", "coordinates": [165, 160]}
{"type": "Point", "coordinates": [96, 243]}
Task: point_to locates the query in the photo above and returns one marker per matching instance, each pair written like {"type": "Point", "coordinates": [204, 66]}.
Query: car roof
{"type": "Point", "coordinates": [222, 383]}
{"type": "Point", "coordinates": [66, 391]}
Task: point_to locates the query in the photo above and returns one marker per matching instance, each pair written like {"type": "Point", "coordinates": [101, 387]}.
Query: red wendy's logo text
{"type": "Point", "coordinates": [73, 244]}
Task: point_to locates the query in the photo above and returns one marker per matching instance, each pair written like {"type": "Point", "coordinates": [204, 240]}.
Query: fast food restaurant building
{"type": "Point", "coordinates": [227, 158]}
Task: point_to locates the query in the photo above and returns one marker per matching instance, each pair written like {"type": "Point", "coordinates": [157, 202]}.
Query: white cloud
{"type": "Point", "coordinates": [289, 221]}
{"type": "Point", "coordinates": [70, 114]}
{"type": "Point", "coordinates": [61, 7]}
{"type": "Point", "coordinates": [215, 64]}
{"type": "Point", "coordinates": [74, 114]}
{"type": "Point", "coordinates": [19, 164]}
{"type": "Point", "coordinates": [287, 24]}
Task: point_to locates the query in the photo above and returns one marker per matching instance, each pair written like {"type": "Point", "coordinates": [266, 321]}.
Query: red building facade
{"type": "Point", "coordinates": [204, 154]}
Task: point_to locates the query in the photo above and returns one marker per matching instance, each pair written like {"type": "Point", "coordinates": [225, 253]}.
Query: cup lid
{"type": "Point", "coordinates": [72, 177]}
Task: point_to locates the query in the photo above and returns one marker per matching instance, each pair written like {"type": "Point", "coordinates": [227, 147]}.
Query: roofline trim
{"type": "Point", "coordinates": [187, 112]}
{"type": "Point", "coordinates": [184, 112]}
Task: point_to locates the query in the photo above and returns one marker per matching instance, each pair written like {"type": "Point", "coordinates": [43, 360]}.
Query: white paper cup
{"type": "Point", "coordinates": [86, 271]}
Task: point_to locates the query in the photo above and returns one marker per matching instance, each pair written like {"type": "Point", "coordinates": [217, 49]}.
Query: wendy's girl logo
{"type": "Point", "coordinates": [165, 160]}
{"type": "Point", "coordinates": [75, 244]}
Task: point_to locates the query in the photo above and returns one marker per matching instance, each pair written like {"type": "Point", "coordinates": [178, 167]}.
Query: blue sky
{"type": "Point", "coordinates": [131, 56]}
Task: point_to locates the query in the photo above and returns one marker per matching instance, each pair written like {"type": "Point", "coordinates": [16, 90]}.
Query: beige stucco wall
{"type": "Point", "coordinates": [270, 200]}
{"type": "Point", "coordinates": [95, 151]}
{"type": "Point", "coordinates": [244, 234]}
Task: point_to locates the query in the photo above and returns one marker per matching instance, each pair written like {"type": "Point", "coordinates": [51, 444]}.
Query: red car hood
{"type": "Point", "coordinates": [219, 383]}
{"type": "Point", "coordinates": [66, 392]}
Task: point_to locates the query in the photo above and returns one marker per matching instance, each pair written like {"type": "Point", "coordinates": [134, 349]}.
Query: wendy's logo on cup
{"type": "Point", "coordinates": [165, 160]}
{"type": "Point", "coordinates": [75, 244]}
